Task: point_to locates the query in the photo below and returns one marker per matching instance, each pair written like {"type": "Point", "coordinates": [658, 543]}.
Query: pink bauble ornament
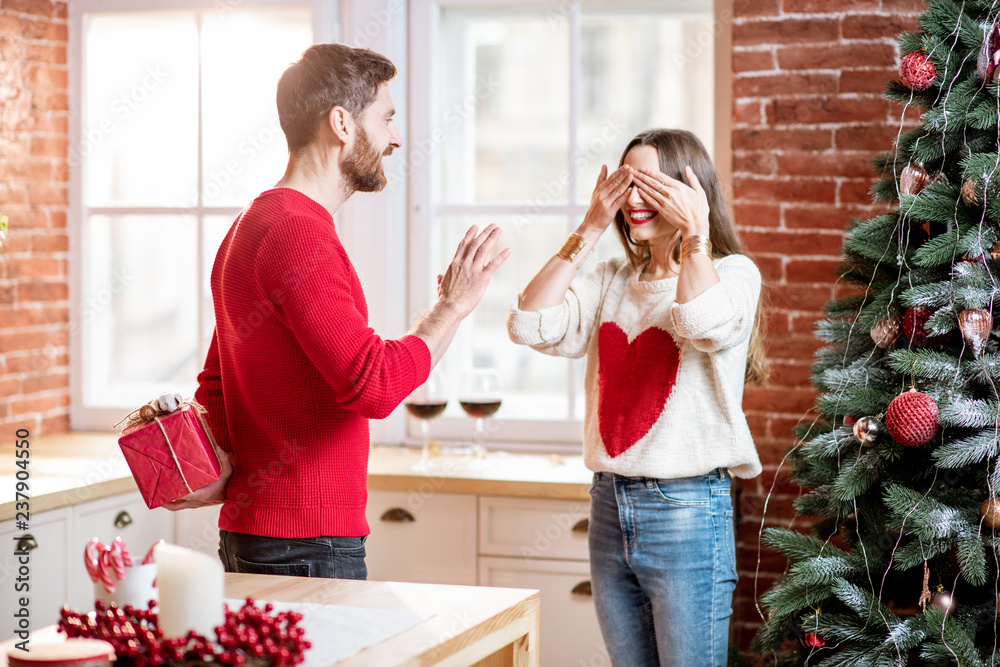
{"type": "Point", "coordinates": [989, 55]}
{"type": "Point", "coordinates": [912, 418]}
{"type": "Point", "coordinates": [975, 325]}
{"type": "Point", "coordinates": [944, 601]}
{"type": "Point", "coordinates": [913, 179]}
{"type": "Point", "coordinates": [886, 332]}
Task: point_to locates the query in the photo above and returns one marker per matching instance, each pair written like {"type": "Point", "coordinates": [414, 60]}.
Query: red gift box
{"type": "Point", "coordinates": [170, 456]}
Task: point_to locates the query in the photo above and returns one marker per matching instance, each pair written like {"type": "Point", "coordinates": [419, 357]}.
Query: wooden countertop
{"type": "Point", "coordinates": [70, 468]}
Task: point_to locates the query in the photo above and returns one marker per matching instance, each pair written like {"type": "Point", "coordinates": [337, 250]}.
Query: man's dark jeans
{"type": "Point", "coordinates": [330, 557]}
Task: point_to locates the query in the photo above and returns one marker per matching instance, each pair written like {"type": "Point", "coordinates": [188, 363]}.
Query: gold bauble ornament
{"type": "Point", "coordinates": [970, 192]}
{"type": "Point", "coordinates": [990, 512]}
{"type": "Point", "coordinates": [995, 251]}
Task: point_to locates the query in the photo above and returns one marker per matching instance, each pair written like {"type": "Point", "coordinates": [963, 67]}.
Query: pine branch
{"type": "Point", "coordinates": [858, 476]}
{"type": "Point", "coordinates": [798, 546]}
{"type": "Point", "coordinates": [972, 559]}
{"type": "Point", "coordinates": [967, 451]}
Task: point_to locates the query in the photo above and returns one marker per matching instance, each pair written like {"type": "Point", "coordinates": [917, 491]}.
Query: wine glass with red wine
{"type": "Point", "coordinates": [480, 397]}
{"type": "Point", "coordinates": [425, 403]}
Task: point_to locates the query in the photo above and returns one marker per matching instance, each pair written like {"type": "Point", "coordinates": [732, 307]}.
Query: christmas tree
{"type": "Point", "coordinates": [902, 461]}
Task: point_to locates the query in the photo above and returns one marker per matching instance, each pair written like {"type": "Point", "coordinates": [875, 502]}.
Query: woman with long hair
{"type": "Point", "coordinates": [671, 333]}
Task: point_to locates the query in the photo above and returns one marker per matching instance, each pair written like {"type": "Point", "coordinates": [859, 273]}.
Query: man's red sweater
{"type": "Point", "coordinates": [294, 373]}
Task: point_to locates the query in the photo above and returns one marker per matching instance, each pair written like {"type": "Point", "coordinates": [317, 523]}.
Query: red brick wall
{"type": "Point", "coordinates": [808, 118]}
{"type": "Point", "coordinates": [34, 306]}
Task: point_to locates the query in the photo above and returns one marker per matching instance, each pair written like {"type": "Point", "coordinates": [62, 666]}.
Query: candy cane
{"type": "Point", "coordinates": [104, 571]}
{"type": "Point", "coordinates": [126, 558]}
{"type": "Point", "coordinates": [91, 556]}
{"type": "Point", "coordinates": [116, 558]}
{"type": "Point", "coordinates": [149, 554]}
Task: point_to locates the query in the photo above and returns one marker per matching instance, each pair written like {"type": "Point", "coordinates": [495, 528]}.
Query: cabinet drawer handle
{"type": "Point", "coordinates": [27, 543]}
{"type": "Point", "coordinates": [397, 515]}
{"type": "Point", "coordinates": [123, 519]}
{"type": "Point", "coordinates": [582, 588]}
{"type": "Point", "coordinates": [581, 526]}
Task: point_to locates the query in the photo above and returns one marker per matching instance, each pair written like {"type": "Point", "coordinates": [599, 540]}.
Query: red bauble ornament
{"type": "Point", "coordinates": [912, 179]}
{"type": "Point", "coordinates": [917, 71]}
{"type": "Point", "coordinates": [989, 54]}
{"type": "Point", "coordinates": [914, 327]}
{"type": "Point", "coordinates": [811, 640]}
{"type": "Point", "coordinates": [912, 418]}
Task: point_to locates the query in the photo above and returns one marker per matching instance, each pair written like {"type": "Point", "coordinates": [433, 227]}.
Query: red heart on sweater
{"type": "Point", "coordinates": [635, 380]}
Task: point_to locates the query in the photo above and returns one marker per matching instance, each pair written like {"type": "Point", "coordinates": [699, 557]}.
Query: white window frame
{"type": "Point", "coordinates": [325, 25]}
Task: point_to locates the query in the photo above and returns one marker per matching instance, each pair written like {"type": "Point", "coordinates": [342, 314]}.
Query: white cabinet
{"type": "Point", "coordinates": [538, 543]}
{"type": "Point", "coordinates": [421, 538]}
{"type": "Point", "coordinates": [533, 528]}
{"type": "Point", "coordinates": [46, 569]}
{"type": "Point", "coordinates": [124, 516]}
{"type": "Point", "coordinates": [570, 636]}
{"type": "Point", "coordinates": [542, 543]}
{"type": "Point", "coordinates": [198, 529]}
{"type": "Point", "coordinates": [58, 575]}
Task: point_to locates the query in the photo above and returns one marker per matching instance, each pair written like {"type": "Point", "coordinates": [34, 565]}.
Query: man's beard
{"type": "Point", "coordinates": [363, 167]}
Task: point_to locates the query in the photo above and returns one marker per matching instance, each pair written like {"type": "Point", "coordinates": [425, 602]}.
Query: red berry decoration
{"type": "Point", "coordinates": [917, 71]}
{"type": "Point", "coordinates": [912, 418]}
{"type": "Point", "coordinates": [915, 328]}
{"type": "Point", "coordinates": [270, 640]}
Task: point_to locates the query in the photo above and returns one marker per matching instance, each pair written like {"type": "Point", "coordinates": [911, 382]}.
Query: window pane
{"type": "Point", "coordinates": [245, 150]}
{"type": "Point", "coordinates": [140, 322]}
{"type": "Point", "coordinates": [502, 104]}
{"type": "Point", "coordinates": [641, 68]}
{"type": "Point", "coordinates": [140, 124]}
{"type": "Point", "coordinates": [536, 386]}
{"type": "Point", "coordinates": [213, 230]}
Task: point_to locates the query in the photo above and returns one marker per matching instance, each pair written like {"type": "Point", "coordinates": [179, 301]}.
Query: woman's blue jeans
{"type": "Point", "coordinates": [331, 557]}
{"type": "Point", "coordinates": [663, 568]}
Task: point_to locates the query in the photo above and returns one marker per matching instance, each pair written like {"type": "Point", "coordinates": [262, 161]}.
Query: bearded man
{"type": "Point", "coordinates": [294, 372]}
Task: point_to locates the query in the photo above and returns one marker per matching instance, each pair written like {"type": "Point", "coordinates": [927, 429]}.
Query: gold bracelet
{"type": "Point", "coordinates": [574, 244]}
{"type": "Point", "coordinates": [695, 244]}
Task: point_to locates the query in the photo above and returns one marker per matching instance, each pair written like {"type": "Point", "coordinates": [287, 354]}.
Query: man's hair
{"type": "Point", "coordinates": [327, 76]}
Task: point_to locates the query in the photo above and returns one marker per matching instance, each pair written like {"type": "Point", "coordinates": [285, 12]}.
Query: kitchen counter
{"type": "Point", "coordinates": [462, 625]}
{"type": "Point", "coordinates": [70, 468]}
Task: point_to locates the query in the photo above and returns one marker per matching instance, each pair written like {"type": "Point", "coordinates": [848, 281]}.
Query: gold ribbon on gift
{"type": "Point", "coordinates": [150, 412]}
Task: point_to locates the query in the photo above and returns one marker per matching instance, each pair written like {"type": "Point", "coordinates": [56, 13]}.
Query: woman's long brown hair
{"type": "Point", "coordinates": [678, 149]}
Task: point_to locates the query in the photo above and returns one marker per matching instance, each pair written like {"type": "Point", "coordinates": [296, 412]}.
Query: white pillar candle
{"type": "Point", "coordinates": [191, 591]}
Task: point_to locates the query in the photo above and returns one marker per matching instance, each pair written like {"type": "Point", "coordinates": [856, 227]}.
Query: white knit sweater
{"type": "Point", "coordinates": [664, 380]}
